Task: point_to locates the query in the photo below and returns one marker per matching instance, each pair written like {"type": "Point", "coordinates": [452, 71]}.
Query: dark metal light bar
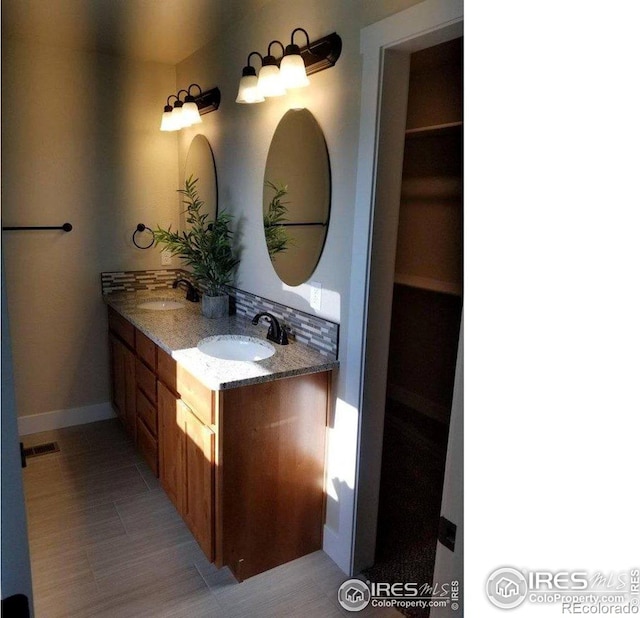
{"type": "Point", "coordinates": [208, 101]}
{"type": "Point", "coordinates": [322, 54]}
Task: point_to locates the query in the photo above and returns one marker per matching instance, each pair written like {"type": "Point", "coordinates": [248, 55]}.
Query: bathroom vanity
{"type": "Point", "coordinates": [238, 446]}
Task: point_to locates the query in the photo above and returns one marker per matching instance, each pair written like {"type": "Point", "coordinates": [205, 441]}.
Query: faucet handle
{"type": "Point", "coordinates": [288, 331]}
{"type": "Point", "coordinates": [283, 339]}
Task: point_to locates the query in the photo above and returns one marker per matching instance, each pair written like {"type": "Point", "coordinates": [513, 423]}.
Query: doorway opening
{"type": "Point", "coordinates": [425, 320]}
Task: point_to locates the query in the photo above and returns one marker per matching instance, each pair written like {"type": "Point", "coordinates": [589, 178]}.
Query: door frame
{"type": "Point", "coordinates": [386, 47]}
{"type": "Point", "coordinates": [15, 565]}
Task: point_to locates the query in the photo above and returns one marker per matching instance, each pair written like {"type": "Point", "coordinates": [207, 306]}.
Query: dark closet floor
{"type": "Point", "coordinates": [413, 461]}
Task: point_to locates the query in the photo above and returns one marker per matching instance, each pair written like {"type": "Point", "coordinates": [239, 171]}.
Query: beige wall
{"type": "Point", "coordinates": [80, 143]}
{"type": "Point", "coordinates": [240, 136]}
{"type": "Point", "coordinates": [371, 11]}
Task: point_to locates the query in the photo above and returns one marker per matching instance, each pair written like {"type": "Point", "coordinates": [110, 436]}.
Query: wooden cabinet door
{"type": "Point", "coordinates": [129, 390]}
{"type": "Point", "coordinates": [123, 380]}
{"type": "Point", "coordinates": [117, 377]}
{"type": "Point", "coordinates": [171, 443]}
{"type": "Point", "coordinates": [147, 445]}
{"type": "Point", "coordinates": [272, 450]}
{"type": "Point", "coordinates": [199, 481]}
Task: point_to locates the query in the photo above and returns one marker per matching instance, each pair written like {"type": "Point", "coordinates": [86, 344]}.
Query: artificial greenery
{"type": "Point", "coordinates": [206, 247]}
{"type": "Point", "coordinates": [275, 233]}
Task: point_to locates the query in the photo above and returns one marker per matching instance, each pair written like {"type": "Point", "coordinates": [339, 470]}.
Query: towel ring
{"type": "Point", "coordinates": [141, 227]}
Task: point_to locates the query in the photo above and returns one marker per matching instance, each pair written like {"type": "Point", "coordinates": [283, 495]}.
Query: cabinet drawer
{"type": "Point", "coordinates": [167, 370]}
{"type": "Point", "coordinates": [147, 412]}
{"type": "Point", "coordinates": [197, 396]}
{"type": "Point", "coordinates": [148, 446]}
{"type": "Point", "coordinates": [121, 327]}
{"type": "Point", "coordinates": [146, 350]}
{"type": "Point", "coordinates": [146, 380]}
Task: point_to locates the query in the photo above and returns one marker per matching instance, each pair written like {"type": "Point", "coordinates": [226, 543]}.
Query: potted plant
{"type": "Point", "coordinates": [206, 248]}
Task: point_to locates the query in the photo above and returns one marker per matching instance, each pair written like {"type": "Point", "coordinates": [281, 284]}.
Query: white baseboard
{"type": "Point", "coordinates": [57, 419]}
{"type": "Point", "coordinates": [418, 403]}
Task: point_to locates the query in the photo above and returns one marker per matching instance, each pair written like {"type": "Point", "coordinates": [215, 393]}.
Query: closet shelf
{"type": "Point", "coordinates": [431, 129]}
{"type": "Point", "coordinates": [429, 283]}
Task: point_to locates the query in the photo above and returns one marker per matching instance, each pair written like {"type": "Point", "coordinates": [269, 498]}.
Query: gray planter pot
{"type": "Point", "coordinates": [215, 306]}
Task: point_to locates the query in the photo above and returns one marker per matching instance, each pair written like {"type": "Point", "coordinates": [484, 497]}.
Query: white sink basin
{"type": "Point", "coordinates": [236, 347]}
{"type": "Point", "coordinates": [161, 305]}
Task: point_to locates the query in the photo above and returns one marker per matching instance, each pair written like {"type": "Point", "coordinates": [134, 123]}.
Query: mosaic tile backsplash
{"type": "Point", "coordinates": [136, 280]}
{"type": "Point", "coordinates": [320, 334]}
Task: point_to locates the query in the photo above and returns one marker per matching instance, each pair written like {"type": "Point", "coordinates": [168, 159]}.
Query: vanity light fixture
{"type": "Point", "coordinates": [269, 81]}
{"type": "Point", "coordinates": [168, 124]}
{"type": "Point", "coordinates": [248, 90]}
{"type": "Point", "coordinates": [291, 71]}
{"type": "Point", "coordinates": [176, 114]}
{"type": "Point", "coordinates": [188, 112]}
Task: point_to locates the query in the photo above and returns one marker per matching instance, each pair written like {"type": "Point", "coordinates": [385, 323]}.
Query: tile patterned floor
{"type": "Point", "coordinates": [105, 541]}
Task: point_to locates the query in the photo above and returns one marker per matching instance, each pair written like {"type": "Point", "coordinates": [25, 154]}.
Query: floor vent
{"type": "Point", "coordinates": [42, 449]}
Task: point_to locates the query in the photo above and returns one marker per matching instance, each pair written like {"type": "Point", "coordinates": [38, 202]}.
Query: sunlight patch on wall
{"type": "Point", "coordinates": [342, 437]}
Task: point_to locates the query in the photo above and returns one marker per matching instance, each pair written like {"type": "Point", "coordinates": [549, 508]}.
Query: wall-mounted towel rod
{"type": "Point", "coordinates": [291, 224]}
{"type": "Point", "coordinates": [67, 227]}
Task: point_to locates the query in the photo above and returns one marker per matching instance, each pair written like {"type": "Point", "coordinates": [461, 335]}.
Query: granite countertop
{"type": "Point", "coordinates": [178, 332]}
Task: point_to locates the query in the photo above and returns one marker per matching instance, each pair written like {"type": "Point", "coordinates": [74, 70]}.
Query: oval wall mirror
{"type": "Point", "coordinates": [201, 165]}
{"type": "Point", "coordinates": [297, 196]}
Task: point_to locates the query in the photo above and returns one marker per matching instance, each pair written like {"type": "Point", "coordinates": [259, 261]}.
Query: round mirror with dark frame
{"type": "Point", "coordinates": [200, 164]}
{"type": "Point", "coordinates": [297, 196]}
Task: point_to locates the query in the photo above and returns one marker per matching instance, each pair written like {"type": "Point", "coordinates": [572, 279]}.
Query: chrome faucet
{"type": "Point", "coordinates": [192, 293]}
{"type": "Point", "coordinates": [276, 333]}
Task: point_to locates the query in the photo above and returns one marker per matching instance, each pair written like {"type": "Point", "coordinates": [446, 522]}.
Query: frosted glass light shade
{"type": "Point", "coordinates": [248, 90]}
{"type": "Point", "coordinates": [190, 114]}
{"type": "Point", "coordinates": [269, 82]}
{"type": "Point", "coordinates": [167, 122]}
{"type": "Point", "coordinates": [292, 71]}
{"type": "Point", "coordinates": [176, 117]}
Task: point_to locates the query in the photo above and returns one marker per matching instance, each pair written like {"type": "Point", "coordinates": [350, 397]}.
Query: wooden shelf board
{"type": "Point", "coordinates": [430, 129]}
{"type": "Point", "coordinates": [428, 283]}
